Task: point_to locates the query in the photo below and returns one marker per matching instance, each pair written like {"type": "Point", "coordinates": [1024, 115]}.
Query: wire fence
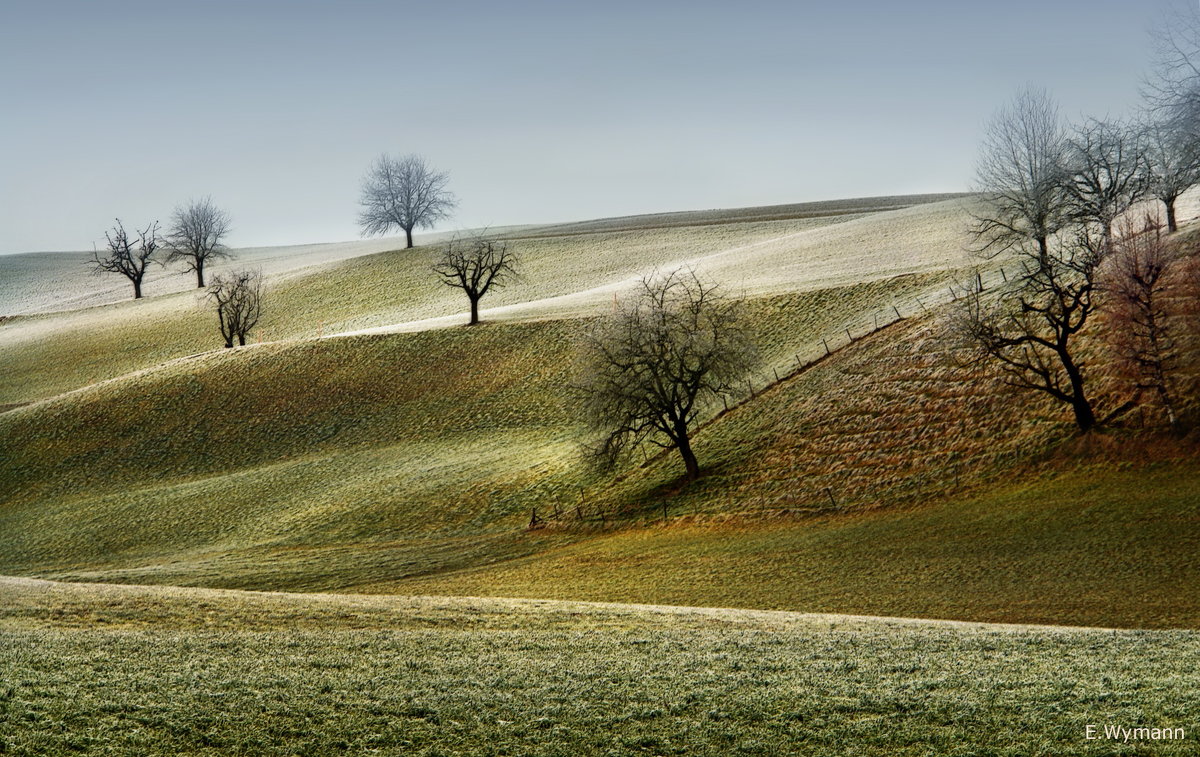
{"type": "Point", "coordinates": [862, 325]}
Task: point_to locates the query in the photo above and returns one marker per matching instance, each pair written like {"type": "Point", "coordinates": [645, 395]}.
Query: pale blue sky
{"type": "Point", "coordinates": [540, 111]}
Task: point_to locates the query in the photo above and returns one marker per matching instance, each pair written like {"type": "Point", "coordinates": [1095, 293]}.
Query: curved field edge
{"type": "Point", "coordinates": [157, 671]}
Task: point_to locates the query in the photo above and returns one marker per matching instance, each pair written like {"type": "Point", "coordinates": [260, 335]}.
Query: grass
{"type": "Point", "coordinates": [135, 670]}
{"type": "Point", "coordinates": [886, 480]}
{"type": "Point", "coordinates": [252, 468]}
{"type": "Point", "coordinates": [45, 355]}
{"type": "Point", "coordinates": [410, 463]}
{"type": "Point", "coordinates": [1094, 547]}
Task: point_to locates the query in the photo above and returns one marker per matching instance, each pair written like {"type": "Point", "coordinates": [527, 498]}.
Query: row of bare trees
{"type": "Point", "coordinates": [195, 238]}
{"type": "Point", "coordinates": [1062, 201]}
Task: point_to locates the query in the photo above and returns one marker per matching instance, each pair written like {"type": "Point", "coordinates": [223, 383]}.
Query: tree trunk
{"type": "Point", "coordinates": [1169, 405]}
{"type": "Point", "coordinates": [408, 236]}
{"type": "Point", "coordinates": [199, 274]}
{"type": "Point", "coordinates": [1085, 417]}
{"type": "Point", "coordinates": [228, 343]}
{"type": "Point", "coordinates": [1043, 250]}
{"type": "Point", "coordinates": [474, 311]}
{"type": "Point", "coordinates": [137, 289]}
{"type": "Point", "coordinates": [689, 458]}
{"type": "Point", "coordinates": [1171, 225]}
{"type": "Point", "coordinates": [242, 340]}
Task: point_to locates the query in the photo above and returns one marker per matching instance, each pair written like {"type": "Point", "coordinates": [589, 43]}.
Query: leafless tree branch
{"type": "Point", "coordinates": [476, 266]}
{"type": "Point", "coordinates": [237, 299]}
{"type": "Point", "coordinates": [403, 193]}
{"type": "Point", "coordinates": [124, 257]}
{"type": "Point", "coordinates": [195, 236]}
{"type": "Point", "coordinates": [648, 370]}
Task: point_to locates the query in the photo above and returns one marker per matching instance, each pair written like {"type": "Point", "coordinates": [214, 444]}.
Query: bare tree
{"type": "Point", "coordinates": [195, 236]}
{"type": "Point", "coordinates": [1107, 172]}
{"type": "Point", "coordinates": [403, 193]}
{"type": "Point", "coordinates": [1173, 91]}
{"type": "Point", "coordinates": [126, 259]}
{"type": "Point", "coordinates": [1021, 174]}
{"type": "Point", "coordinates": [1030, 326]}
{"type": "Point", "coordinates": [1172, 164]}
{"type": "Point", "coordinates": [237, 298]}
{"type": "Point", "coordinates": [650, 369]}
{"type": "Point", "coordinates": [476, 266]}
{"type": "Point", "coordinates": [1141, 307]}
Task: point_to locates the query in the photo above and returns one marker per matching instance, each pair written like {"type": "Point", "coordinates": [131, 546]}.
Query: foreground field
{"type": "Point", "coordinates": [149, 671]}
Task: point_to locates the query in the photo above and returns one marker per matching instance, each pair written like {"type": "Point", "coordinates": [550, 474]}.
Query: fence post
{"type": "Point", "coordinates": [776, 372]}
{"type": "Point", "coordinates": [898, 316]}
{"type": "Point", "coordinates": [832, 501]}
{"type": "Point", "coordinates": [826, 345]}
{"type": "Point", "coordinates": [848, 334]}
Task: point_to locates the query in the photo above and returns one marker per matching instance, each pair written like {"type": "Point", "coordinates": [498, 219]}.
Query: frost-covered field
{"type": "Point", "coordinates": [39, 282]}
{"type": "Point", "coordinates": [149, 671]}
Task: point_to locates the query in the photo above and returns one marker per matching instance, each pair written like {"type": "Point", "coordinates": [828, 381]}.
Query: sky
{"type": "Point", "coordinates": [539, 111]}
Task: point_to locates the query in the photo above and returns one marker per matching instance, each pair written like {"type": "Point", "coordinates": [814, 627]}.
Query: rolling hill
{"type": "Point", "coordinates": [366, 446]}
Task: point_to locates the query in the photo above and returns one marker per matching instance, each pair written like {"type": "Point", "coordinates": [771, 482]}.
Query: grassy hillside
{"type": "Point", "coordinates": [41, 282]}
{"type": "Point", "coordinates": [884, 479]}
{"type": "Point", "coordinates": [1091, 547]}
{"type": "Point", "coordinates": [567, 275]}
{"type": "Point", "coordinates": [252, 467]}
{"type": "Point", "coordinates": [135, 670]}
{"type": "Point", "coordinates": [410, 462]}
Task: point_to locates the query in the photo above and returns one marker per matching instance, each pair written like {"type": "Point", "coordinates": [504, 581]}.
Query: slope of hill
{"type": "Point", "coordinates": [349, 443]}
{"type": "Point", "coordinates": [173, 671]}
{"type": "Point", "coordinates": [563, 276]}
{"type": "Point", "coordinates": [43, 282]}
{"type": "Point", "coordinates": [412, 460]}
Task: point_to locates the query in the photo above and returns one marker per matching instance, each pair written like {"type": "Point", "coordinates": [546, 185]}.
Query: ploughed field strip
{"type": "Point", "coordinates": [167, 671]}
